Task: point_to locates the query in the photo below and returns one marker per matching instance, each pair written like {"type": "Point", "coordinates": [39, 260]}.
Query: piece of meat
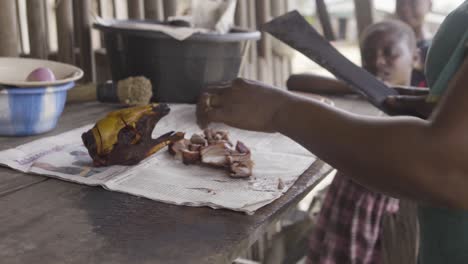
{"type": "Point", "coordinates": [215, 155]}
{"type": "Point", "coordinates": [195, 147]}
{"type": "Point", "coordinates": [240, 165]}
{"type": "Point", "coordinates": [176, 148]}
{"type": "Point", "coordinates": [222, 135]}
{"type": "Point", "coordinates": [241, 170]}
{"type": "Point", "coordinates": [208, 134]}
{"type": "Point", "coordinates": [198, 140]}
{"type": "Point", "coordinates": [280, 184]}
{"type": "Point", "coordinates": [214, 137]}
{"type": "Point", "coordinates": [215, 149]}
{"type": "Point", "coordinates": [190, 157]}
{"type": "Point", "coordinates": [242, 148]}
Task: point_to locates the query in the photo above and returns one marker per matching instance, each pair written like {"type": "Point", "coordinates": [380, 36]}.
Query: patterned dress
{"type": "Point", "coordinates": [348, 229]}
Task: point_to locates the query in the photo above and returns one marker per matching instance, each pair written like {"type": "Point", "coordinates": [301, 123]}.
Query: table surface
{"type": "Point", "coordinates": [43, 220]}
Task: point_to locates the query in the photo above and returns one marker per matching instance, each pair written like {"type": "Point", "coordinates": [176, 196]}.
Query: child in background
{"type": "Point", "coordinates": [413, 13]}
{"type": "Point", "coordinates": [348, 228]}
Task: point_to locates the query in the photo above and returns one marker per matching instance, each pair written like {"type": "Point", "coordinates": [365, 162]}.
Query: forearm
{"type": "Point", "coordinates": [390, 155]}
{"type": "Point", "coordinates": [312, 83]}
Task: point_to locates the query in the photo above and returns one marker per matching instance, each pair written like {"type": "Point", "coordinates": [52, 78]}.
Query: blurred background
{"type": "Point", "coordinates": [54, 29]}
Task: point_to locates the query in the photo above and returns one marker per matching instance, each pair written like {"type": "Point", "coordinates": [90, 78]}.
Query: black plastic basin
{"type": "Point", "coordinates": [178, 70]}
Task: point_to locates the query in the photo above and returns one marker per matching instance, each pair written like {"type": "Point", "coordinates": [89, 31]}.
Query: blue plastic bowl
{"type": "Point", "coordinates": [31, 111]}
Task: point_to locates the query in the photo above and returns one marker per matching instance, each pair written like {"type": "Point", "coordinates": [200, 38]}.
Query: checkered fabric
{"type": "Point", "coordinates": [348, 229]}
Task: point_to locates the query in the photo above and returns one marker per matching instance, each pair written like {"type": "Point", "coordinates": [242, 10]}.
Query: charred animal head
{"type": "Point", "coordinates": [123, 137]}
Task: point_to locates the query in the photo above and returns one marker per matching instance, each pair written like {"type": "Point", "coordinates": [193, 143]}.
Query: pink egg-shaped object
{"type": "Point", "coordinates": [41, 74]}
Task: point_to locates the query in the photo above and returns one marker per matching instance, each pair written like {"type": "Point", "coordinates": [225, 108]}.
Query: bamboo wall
{"type": "Point", "coordinates": [62, 30]}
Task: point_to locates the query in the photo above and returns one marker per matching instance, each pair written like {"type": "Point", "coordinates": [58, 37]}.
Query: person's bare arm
{"type": "Point", "coordinates": [402, 156]}
{"type": "Point", "coordinates": [410, 101]}
{"type": "Point", "coordinates": [314, 83]}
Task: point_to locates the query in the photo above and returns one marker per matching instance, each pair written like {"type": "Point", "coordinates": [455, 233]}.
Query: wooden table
{"type": "Point", "coordinates": [44, 220]}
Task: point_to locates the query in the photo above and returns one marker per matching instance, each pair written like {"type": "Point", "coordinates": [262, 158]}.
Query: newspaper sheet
{"type": "Point", "coordinates": [163, 178]}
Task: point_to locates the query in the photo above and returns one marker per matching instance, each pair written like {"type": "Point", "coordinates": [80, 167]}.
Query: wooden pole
{"type": "Point", "coordinates": [253, 54]}
{"type": "Point", "coordinates": [9, 38]}
{"type": "Point", "coordinates": [135, 9]}
{"type": "Point", "coordinates": [170, 8]}
{"type": "Point", "coordinates": [65, 33]}
{"type": "Point", "coordinates": [120, 9]}
{"type": "Point", "coordinates": [325, 20]}
{"type": "Point", "coordinates": [48, 24]}
{"type": "Point", "coordinates": [242, 14]}
{"type": "Point", "coordinates": [286, 61]}
{"type": "Point", "coordinates": [154, 9]}
{"type": "Point", "coordinates": [364, 14]}
{"type": "Point", "coordinates": [265, 48]}
{"type": "Point", "coordinates": [21, 27]}
{"type": "Point", "coordinates": [37, 28]}
{"type": "Point", "coordinates": [83, 27]}
{"type": "Point", "coordinates": [242, 20]}
{"type": "Point", "coordinates": [105, 8]}
{"type": "Point", "coordinates": [277, 9]}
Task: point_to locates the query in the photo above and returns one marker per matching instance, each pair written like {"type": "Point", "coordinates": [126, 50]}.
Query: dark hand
{"type": "Point", "coordinates": [411, 101]}
{"type": "Point", "coordinates": [241, 103]}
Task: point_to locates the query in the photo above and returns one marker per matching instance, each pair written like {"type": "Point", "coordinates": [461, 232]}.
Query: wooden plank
{"type": "Point", "coordinates": [106, 8]}
{"type": "Point", "coordinates": [103, 70]}
{"type": "Point", "coordinates": [21, 18]}
{"type": "Point", "coordinates": [263, 15]}
{"type": "Point", "coordinates": [342, 28]}
{"type": "Point", "coordinates": [135, 9]}
{"type": "Point", "coordinates": [92, 225]}
{"type": "Point", "coordinates": [14, 181]}
{"type": "Point", "coordinates": [278, 8]}
{"type": "Point", "coordinates": [154, 9]}
{"type": "Point", "coordinates": [37, 28]}
{"type": "Point", "coordinates": [65, 33]}
{"type": "Point", "coordinates": [364, 10]}
{"type": "Point", "coordinates": [9, 32]}
{"type": "Point", "coordinates": [286, 70]}
{"type": "Point", "coordinates": [253, 52]}
{"type": "Point", "coordinates": [263, 11]}
{"type": "Point", "coordinates": [76, 22]}
{"type": "Point", "coordinates": [242, 20]}
{"type": "Point", "coordinates": [50, 28]}
{"type": "Point", "coordinates": [83, 27]}
{"type": "Point", "coordinates": [325, 20]}
{"type": "Point", "coordinates": [170, 8]}
{"type": "Point", "coordinates": [286, 62]}
{"type": "Point", "coordinates": [73, 117]}
{"type": "Point", "coordinates": [242, 14]}
{"type": "Point", "coordinates": [277, 71]}
{"type": "Point", "coordinates": [291, 244]}
{"type": "Point", "coordinates": [120, 9]}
